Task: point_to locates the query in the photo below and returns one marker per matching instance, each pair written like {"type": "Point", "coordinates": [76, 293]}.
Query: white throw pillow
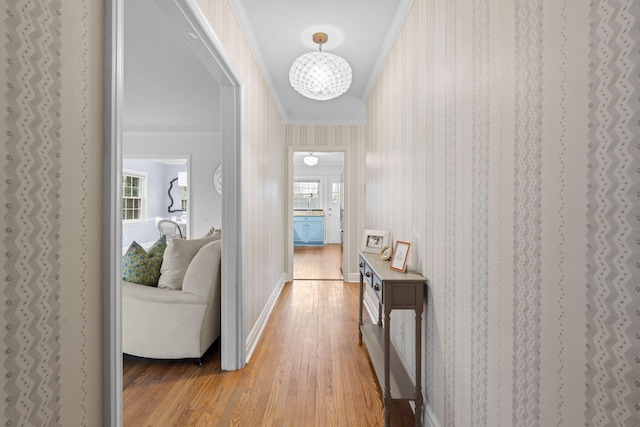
{"type": "Point", "coordinates": [177, 258]}
{"type": "Point", "coordinates": [203, 271]}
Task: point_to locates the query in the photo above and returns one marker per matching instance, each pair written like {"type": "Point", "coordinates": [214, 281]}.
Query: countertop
{"type": "Point", "coordinates": [308, 213]}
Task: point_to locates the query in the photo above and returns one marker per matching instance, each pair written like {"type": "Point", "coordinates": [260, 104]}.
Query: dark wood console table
{"type": "Point", "coordinates": [395, 291]}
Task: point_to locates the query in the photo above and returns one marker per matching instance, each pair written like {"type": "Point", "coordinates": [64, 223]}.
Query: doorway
{"type": "Point", "coordinates": [317, 195]}
{"type": "Point", "coordinates": [186, 16]}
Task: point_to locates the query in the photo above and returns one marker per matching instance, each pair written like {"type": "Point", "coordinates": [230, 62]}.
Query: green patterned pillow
{"type": "Point", "coordinates": [141, 267]}
{"type": "Point", "coordinates": [158, 247]}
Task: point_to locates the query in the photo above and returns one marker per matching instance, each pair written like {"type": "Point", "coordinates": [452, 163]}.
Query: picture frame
{"type": "Point", "coordinates": [400, 254]}
{"type": "Point", "coordinates": [374, 240]}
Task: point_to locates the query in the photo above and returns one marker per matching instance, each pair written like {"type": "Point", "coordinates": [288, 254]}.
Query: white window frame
{"type": "Point", "coordinates": [144, 180]}
{"type": "Point", "coordinates": [318, 195]}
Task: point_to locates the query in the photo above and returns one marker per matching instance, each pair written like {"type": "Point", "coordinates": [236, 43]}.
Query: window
{"type": "Point", "coordinates": [133, 196]}
{"type": "Point", "coordinates": [336, 192]}
{"type": "Point", "coordinates": [183, 197]}
{"type": "Point", "coordinates": [305, 194]}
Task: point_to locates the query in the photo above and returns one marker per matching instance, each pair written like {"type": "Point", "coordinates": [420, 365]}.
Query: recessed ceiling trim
{"type": "Point", "coordinates": [241, 14]}
{"type": "Point", "coordinates": [394, 29]}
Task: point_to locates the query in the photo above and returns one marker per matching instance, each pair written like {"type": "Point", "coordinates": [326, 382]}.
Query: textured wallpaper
{"type": "Point", "coordinates": [338, 136]}
{"type": "Point", "coordinates": [613, 216]}
{"type": "Point", "coordinates": [31, 243]}
{"type": "Point", "coordinates": [263, 166]}
{"type": "Point", "coordinates": [51, 221]}
{"type": "Point", "coordinates": [502, 142]}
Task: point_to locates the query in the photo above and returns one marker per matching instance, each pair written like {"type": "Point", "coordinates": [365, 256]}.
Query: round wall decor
{"type": "Point", "coordinates": [217, 179]}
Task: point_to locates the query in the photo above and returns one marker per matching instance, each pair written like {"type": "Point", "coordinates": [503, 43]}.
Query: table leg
{"type": "Point", "coordinates": [360, 315]}
{"type": "Point", "coordinates": [387, 367]}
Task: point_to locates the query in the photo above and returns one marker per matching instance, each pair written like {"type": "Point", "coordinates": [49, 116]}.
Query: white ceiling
{"type": "Point", "coordinates": [166, 87]}
{"type": "Point", "coordinates": [360, 31]}
{"type": "Point", "coordinates": [170, 87]}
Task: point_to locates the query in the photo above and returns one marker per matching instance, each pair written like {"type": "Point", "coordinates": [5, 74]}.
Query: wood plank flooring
{"type": "Point", "coordinates": [319, 263]}
{"type": "Point", "coordinates": [307, 370]}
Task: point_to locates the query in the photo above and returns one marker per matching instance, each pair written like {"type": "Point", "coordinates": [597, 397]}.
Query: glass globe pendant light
{"type": "Point", "coordinates": [319, 75]}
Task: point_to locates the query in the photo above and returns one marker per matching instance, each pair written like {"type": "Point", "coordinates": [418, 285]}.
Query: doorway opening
{"type": "Point", "coordinates": [317, 212]}
{"type": "Point", "coordinates": [195, 30]}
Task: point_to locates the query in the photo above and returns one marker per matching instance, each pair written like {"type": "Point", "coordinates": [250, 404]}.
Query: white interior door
{"type": "Point", "coordinates": [332, 211]}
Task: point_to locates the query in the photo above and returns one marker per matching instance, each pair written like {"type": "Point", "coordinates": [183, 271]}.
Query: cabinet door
{"type": "Point", "coordinates": [315, 230]}
{"type": "Point", "coordinates": [299, 230]}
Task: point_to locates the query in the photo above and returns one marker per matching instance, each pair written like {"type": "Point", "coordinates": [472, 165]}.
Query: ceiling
{"type": "Point", "coordinates": [169, 87]}
{"type": "Point", "coordinates": [360, 31]}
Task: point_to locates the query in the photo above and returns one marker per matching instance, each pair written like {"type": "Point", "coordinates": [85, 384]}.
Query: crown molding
{"type": "Point", "coordinates": [394, 29]}
{"type": "Point", "coordinates": [243, 19]}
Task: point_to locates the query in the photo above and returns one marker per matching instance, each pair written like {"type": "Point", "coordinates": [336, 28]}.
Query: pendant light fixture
{"type": "Point", "coordinates": [310, 160]}
{"type": "Point", "coordinates": [320, 75]}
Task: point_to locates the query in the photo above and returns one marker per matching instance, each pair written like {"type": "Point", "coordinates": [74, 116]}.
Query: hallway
{"type": "Point", "coordinates": [317, 263]}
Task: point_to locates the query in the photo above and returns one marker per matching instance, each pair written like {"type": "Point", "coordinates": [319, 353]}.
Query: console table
{"type": "Point", "coordinates": [395, 291]}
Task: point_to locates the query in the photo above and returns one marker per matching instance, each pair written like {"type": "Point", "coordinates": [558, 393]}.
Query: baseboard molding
{"type": "Point", "coordinates": [258, 328]}
{"type": "Point", "coordinates": [430, 418]}
{"type": "Point", "coordinates": [351, 278]}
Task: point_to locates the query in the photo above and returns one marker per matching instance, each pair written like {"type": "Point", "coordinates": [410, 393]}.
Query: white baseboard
{"type": "Point", "coordinates": [258, 328]}
{"type": "Point", "coordinates": [429, 417]}
{"type": "Point", "coordinates": [351, 278]}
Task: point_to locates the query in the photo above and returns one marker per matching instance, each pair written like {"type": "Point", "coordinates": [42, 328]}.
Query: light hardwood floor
{"type": "Point", "coordinates": [319, 263]}
{"type": "Point", "coordinates": [307, 370]}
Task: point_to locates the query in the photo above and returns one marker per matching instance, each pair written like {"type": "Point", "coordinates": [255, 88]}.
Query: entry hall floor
{"type": "Point", "coordinates": [307, 370]}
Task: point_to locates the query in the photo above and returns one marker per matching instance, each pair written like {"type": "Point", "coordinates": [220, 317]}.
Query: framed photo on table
{"type": "Point", "coordinates": [374, 240]}
{"type": "Point", "coordinates": [399, 260]}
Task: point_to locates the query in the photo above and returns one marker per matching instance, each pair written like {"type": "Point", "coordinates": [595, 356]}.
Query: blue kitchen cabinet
{"type": "Point", "coordinates": [308, 230]}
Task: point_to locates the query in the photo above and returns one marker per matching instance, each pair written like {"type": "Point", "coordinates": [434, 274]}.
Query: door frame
{"type": "Point", "coordinates": [233, 340]}
{"type": "Point", "coordinates": [346, 241]}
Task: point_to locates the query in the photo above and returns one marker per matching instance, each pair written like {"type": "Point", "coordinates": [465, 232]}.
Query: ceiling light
{"type": "Point", "coordinates": [310, 160]}
{"type": "Point", "coordinates": [320, 75]}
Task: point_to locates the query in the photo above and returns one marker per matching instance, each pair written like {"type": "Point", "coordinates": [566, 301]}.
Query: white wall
{"type": "Point", "coordinates": [502, 143]}
{"type": "Point", "coordinates": [203, 151]}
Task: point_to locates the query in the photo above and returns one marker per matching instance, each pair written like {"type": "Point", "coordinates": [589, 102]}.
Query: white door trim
{"type": "Point", "coordinates": [233, 342]}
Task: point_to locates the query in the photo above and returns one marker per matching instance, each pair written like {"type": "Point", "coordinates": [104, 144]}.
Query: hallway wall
{"type": "Point", "coordinates": [52, 107]}
{"type": "Point", "coordinates": [502, 143]}
{"type": "Point", "coordinates": [263, 167]}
